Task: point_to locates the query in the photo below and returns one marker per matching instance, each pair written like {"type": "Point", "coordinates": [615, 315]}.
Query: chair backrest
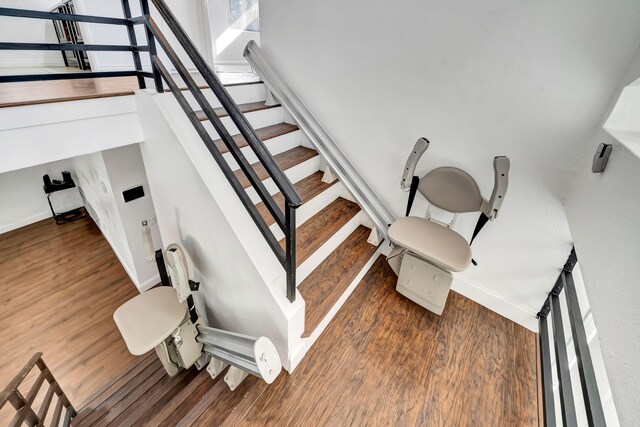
{"type": "Point", "coordinates": [451, 189]}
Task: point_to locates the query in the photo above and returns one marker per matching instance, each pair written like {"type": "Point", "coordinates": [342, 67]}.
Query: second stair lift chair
{"type": "Point", "coordinates": [428, 250]}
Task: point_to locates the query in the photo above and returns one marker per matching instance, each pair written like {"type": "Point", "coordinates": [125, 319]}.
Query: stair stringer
{"type": "Point", "coordinates": [243, 285]}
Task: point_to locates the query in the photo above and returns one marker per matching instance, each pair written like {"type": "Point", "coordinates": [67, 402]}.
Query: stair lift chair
{"type": "Point", "coordinates": [428, 250]}
{"type": "Point", "coordinates": [165, 319]}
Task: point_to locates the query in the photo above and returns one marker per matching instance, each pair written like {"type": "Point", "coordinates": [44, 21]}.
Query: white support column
{"type": "Point", "coordinates": [234, 377]}
{"type": "Point", "coordinates": [329, 176]}
{"type": "Point", "coordinates": [374, 237]}
{"type": "Point", "coordinates": [216, 366]}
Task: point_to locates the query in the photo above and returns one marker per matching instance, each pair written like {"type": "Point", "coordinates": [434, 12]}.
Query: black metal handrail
{"type": "Point", "coordinates": [132, 47]}
{"type": "Point", "coordinates": [591, 396]}
{"type": "Point", "coordinates": [286, 220]}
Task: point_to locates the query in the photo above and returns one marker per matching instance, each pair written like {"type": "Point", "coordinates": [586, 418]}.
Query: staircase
{"type": "Point", "coordinates": [147, 396]}
{"type": "Point", "coordinates": [331, 228]}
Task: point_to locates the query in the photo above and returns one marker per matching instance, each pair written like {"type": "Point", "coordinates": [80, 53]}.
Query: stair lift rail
{"type": "Point", "coordinates": [285, 220]}
{"type": "Point", "coordinates": [553, 339]}
{"type": "Point", "coordinates": [320, 139]}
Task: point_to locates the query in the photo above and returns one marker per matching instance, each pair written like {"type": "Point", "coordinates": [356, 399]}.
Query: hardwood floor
{"type": "Point", "coordinates": [43, 92]}
{"type": "Point", "coordinates": [59, 288]}
{"type": "Point", "coordinates": [385, 361]}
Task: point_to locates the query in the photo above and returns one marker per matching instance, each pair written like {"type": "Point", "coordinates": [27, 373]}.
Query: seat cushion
{"type": "Point", "coordinates": [147, 319]}
{"type": "Point", "coordinates": [431, 241]}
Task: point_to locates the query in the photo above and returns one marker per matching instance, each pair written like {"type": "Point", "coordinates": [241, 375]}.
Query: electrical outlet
{"type": "Point", "coordinates": [153, 220]}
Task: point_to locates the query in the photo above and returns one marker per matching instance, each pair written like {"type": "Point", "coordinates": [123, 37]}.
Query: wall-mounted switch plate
{"type": "Point", "coordinates": [601, 157]}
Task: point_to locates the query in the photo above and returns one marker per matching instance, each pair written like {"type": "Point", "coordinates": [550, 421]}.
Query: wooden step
{"type": "Point", "coordinates": [326, 284]}
{"type": "Point", "coordinates": [311, 235]}
{"type": "Point", "coordinates": [285, 160]}
{"type": "Point", "coordinates": [102, 395]}
{"type": "Point", "coordinates": [244, 108]}
{"type": "Point", "coordinates": [307, 188]}
{"type": "Point", "coordinates": [191, 397]}
{"type": "Point", "coordinates": [264, 134]}
{"type": "Point", "coordinates": [142, 378]}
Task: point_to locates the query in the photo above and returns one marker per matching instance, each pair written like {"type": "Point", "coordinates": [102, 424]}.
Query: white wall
{"type": "Point", "coordinates": [530, 80]}
{"type": "Point", "coordinates": [24, 202]}
{"type": "Point", "coordinates": [36, 134]}
{"type": "Point", "coordinates": [28, 31]}
{"type": "Point", "coordinates": [101, 178]}
{"type": "Point", "coordinates": [242, 283]}
{"type": "Point", "coordinates": [92, 178]}
{"type": "Point", "coordinates": [604, 221]}
{"type": "Point", "coordinates": [228, 41]}
{"type": "Point", "coordinates": [126, 170]}
{"type": "Point", "coordinates": [190, 14]}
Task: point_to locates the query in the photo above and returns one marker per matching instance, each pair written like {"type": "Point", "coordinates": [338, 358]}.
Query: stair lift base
{"type": "Point", "coordinates": [424, 283]}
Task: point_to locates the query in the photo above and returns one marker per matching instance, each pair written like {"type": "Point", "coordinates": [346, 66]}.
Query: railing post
{"type": "Point", "coordinates": [157, 78]}
{"type": "Point", "coordinates": [133, 40]}
{"type": "Point", "coordinates": [567, 403]}
{"type": "Point", "coordinates": [588, 381]}
{"type": "Point", "coordinates": [549, 412]}
{"type": "Point", "coordinates": [290, 250]}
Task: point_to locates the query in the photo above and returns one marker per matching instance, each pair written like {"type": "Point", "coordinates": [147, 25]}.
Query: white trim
{"type": "Point", "coordinates": [148, 284]}
{"type": "Point", "coordinates": [24, 222]}
{"type": "Point", "coordinates": [497, 303]}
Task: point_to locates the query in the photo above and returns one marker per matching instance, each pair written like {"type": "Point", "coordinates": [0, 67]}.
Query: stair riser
{"type": "Point", "coordinates": [257, 119]}
{"type": "Point", "coordinates": [242, 94]}
{"type": "Point", "coordinates": [311, 207]}
{"type": "Point", "coordinates": [275, 146]}
{"type": "Point", "coordinates": [329, 246]}
{"type": "Point", "coordinates": [295, 174]}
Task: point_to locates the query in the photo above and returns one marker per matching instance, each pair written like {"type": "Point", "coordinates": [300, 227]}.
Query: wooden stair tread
{"type": "Point", "coordinates": [121, 393]}
{"type": "Point", "coordinates": [131, 415]}
{"type": "Point", "coordinates": [324, 286]}
{"type": "Point", "coordinates": [321, 227]}
{"type": "Point", "coordinates": [244, 108]}
{"type": "Point", "coordinates": [174, 398]}
{"type": "Point", "coordinates": [285, 160]}
{"type": "Point", "coordinates": [264, 134]}
{"type": "Point", "coordinates": [307, 188]}
{"type": "Point", "coordinates": [127, 376]}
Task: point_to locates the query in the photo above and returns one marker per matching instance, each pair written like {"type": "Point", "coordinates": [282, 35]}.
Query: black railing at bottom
{"type": "Point", "coordinates": [591, 396]}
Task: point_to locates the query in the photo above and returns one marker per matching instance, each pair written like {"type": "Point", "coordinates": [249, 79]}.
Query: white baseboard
{"type": "Point", "coordinates": [148, 284]}
{"type": "Point", "coordinates": [24, 222]}
{"type": "Point", "coordinates": [496, 303]}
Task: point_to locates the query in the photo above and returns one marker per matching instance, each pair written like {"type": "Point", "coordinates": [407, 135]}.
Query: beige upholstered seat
{"type": "Point", "coordinates": [433, 242]}
{"type": "Point", "coordinates": [147, 319]}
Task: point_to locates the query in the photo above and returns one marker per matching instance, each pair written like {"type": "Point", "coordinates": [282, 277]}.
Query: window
{"type": "Point", "coordinates": [243, 15]}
